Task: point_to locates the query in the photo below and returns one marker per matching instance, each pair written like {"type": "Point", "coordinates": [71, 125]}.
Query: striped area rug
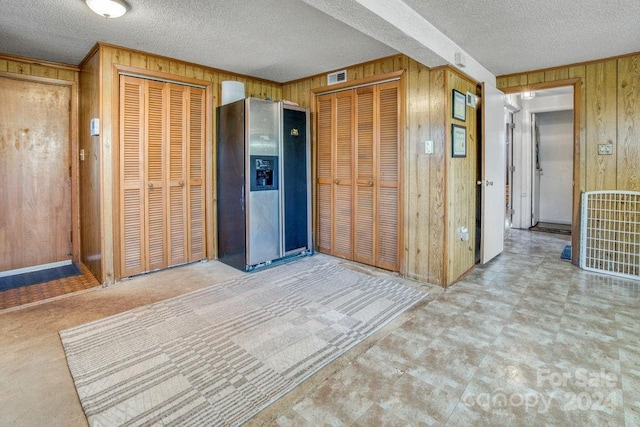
{"type": "Point", "coordinates": [219, 355]}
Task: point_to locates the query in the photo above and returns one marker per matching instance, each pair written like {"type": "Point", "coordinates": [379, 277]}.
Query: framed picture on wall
{"type": "Point", "coordinates": [458, 141]}
{"type": "Point", "coordinates": [459, 103]}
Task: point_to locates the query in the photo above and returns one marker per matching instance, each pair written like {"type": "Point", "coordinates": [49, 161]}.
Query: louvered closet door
{"type": "Point", "coordinates": [335, 171]}
{"type": "Point", "coordinates": [324, 186]}
{"type": "Point", "coordinates": [196, 145]}
{"type": "Point", "coordinates": [376, 166]}
{"type": "Point", "coordinates": [358, 166]}
{"type": "Point", "coordinates": [343, 175]}
{"type": "Point", "coordinates": [388, 175]}
{"type": "Point", "coordinates": [365, 196]}
{"type": "Point", "coordinates": [156, 219]}
{"type": "Point", "coordinates": [132, 175]}
{"type": "Point", "coordinates": [177, 232]}
{"type": "Point", "coordinates": [162, 167]}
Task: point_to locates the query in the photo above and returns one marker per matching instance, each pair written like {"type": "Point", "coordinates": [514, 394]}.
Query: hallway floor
{"type": "Point", "coordinates": [527, 339]}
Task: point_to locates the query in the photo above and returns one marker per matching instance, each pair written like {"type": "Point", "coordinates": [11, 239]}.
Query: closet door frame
{"type": "Point", "coordinates": [350, 85]}
{"type": "Point", "coordinates": [209, 175]}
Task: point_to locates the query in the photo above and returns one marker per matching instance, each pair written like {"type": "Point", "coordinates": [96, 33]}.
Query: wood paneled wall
{"type": "Point", "coordinates": [109, 58]}
{"type": "Point", "coordinates": [426, 195]}
{"type": "Point", "coordinates": [427, 202]}
{"type": "Point", "coordinates": [609, 114]}
{"type": "Point", "coordinates": [90, 169]}
{"type": "Point", "coordinates": [433, 209]}
{"type": "Point", "coordinates": [30, 67]}
{"type": "Point", "coordinates": [462, 174]}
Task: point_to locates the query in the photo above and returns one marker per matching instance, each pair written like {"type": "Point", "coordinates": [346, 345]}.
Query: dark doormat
{"type": "Point", "coordinates": [552, 228]}
{"type": "Point", "coordinates": [41, 276]}
{"type": "Point", "coordinates": [566, 253]}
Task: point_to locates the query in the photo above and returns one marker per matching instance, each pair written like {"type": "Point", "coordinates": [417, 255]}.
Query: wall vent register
{"type": "Point", "coordinates": [337, 77]}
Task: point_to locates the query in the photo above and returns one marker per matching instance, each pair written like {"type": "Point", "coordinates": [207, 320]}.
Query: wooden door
{"type": "Point", "coordinates": [376, 166]}
{"type": "Point", "coordinates": [35, 169]}
{"type": "Point", "coordinates": [196, 111]}
{"type": "Point", "coordinates": [162, 167]}
{"type": "Point", "coordinates": [335, 174]}
{"type": "Point", "coordinates": [132, 175]}
{"type": "Point", "coordinates": [153, 158]}
{"type": "Point", "coordinates": [177, 169]}
{"type": "Point", "coordinates": [324, 183]}
{"type": "Point", "coordinates": [358, 174]}
{"type": "Point", "coordinates": [387, 182]}
{"type": "Point", "coordinates": [343, 175]}
{"type": "Point", "coordinates": [365, 200]}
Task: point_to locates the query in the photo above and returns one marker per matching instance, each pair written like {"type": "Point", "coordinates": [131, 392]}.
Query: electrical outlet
{"type": "Point", "coordinates": [605, 149]}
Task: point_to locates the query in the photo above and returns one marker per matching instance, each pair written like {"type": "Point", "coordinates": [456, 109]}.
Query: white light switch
{"type": "Point", "coordinates": [94, 127]}
{"type": "Point", "coordinates": [428, 147]}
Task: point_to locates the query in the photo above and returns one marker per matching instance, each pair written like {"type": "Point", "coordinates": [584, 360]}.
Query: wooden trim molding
{"type": "Point", "coordinates": [33, 61]}
{"type": "Point", "coordinates": [544, 85]}
{"type": "Point", "coordinates": [216, 70]}
{"type": "Point", "coordinates": [456, 71]}
{"type": "Point", "coordinates": [561, 67]}
{"type": "Point", "coordinates": [577, 103]}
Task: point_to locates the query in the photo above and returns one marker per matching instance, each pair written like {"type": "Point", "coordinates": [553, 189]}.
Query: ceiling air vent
{"type": "Point", "coordinates": [337, 77]}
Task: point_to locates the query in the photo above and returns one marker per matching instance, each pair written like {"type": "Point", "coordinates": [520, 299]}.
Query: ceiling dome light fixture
{"type": "Point", "coordinates": [109, 8]}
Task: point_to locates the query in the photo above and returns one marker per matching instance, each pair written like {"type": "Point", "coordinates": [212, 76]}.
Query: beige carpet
{"type": "Point", "coordinates": [219, 355]}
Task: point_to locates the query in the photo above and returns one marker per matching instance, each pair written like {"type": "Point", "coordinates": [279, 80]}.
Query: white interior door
{"type": "Point", "coordinates": [493, 173]}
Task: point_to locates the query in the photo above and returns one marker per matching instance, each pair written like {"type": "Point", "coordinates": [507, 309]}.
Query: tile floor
{"type": "Point", "coordinates": [526, 340]}
{"type": "Point", "coordinates": [45, 291]}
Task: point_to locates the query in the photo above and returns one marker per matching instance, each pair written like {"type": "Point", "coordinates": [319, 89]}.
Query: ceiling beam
{"type": "Point", "coordinates": [398, 26]}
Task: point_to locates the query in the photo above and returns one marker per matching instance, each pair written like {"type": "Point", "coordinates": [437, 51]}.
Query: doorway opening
{"type": "Point", "coordinates": [541, 168]}
{"type": "Point", "coordinates": [552, 171]}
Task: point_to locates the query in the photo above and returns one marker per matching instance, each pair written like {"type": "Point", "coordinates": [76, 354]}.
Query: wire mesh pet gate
{"type": "Point", "coordinates": [610, 233]}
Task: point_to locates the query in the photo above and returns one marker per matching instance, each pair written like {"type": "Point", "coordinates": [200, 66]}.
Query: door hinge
{"type": "Point", "coordinates": [71, 236]}
{"type": "Point", "coordinates": [513, 168]}
{"type": "Point", "coordinates": [511, 125]}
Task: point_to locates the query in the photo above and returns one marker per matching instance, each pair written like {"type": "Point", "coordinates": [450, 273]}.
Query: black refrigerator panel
{"type": "Point", "coordinates": [296, 180]}
{"type": "Point", "coordinates": [231, 184]}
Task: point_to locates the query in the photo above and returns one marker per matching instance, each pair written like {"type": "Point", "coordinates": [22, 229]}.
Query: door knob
{"type": "Point", "coordinates": [370, 183]}
{"type": "Point", "coordinates": [151, 185]}
{"type": "Point", "coordinates": [337, 181]}
{"type": "Point", "coordinates": [181, 183]}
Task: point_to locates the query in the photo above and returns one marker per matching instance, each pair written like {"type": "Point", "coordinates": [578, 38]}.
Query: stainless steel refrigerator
{"type": "Point", "coordinates": [263, 183]}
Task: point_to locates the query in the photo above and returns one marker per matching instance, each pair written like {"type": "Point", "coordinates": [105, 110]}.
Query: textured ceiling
{"type": "Point", "coordinates": [282, 40]}
{"type": "Point", "coordinates": [519, 35]}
